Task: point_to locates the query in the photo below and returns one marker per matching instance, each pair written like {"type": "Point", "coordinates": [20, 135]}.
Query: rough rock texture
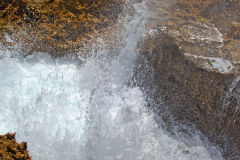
{"type": "Point", "coordinates": [11, 150]}
{"type": "Point", "coordinates": [55, 26]}
{"type": "Point", "coordinates": [191, 58]}
{"type": "Point", "coordinates": [202, 29]}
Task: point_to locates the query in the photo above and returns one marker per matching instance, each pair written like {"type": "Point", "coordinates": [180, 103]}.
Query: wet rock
{"type": "Point", "coordinates": [191, 93]}
{"type": "Point", "coordinates": [53, 26]}
{"type": "Point", "coordinates": [11, 150]}
{"type": "Point", "coordinates": [189, 63]}
{"type": "Point", "coordinates": [202, 29]}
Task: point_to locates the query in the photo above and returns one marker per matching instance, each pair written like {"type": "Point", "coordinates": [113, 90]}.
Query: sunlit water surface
{"type": "Point", "coordinates": [67, 111]}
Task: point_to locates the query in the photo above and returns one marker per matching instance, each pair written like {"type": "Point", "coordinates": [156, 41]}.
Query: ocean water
{"type": "Point", "coordinates": [88, 111]}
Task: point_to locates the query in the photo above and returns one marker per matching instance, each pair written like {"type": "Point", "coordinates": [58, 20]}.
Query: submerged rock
{"type": "Point", "coordinates": [190, 60]}
{"type": "Point", "coordinates": [11, 150]}
{"type": "Point", "coordinates": [53, 26]}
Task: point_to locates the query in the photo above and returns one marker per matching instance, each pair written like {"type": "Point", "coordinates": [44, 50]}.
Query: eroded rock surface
{"type": "Point", "coordinates": [202, 29]}
{"type": "Point", "coordinates": [11, 150]}
{"type": "Point", "coordinates": [191, 56]}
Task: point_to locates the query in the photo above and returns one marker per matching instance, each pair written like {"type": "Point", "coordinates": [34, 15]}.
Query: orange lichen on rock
{"type": "Point", "coordinates": [11, 150]}
{"type": "Point", "coordinates": [56, 25]}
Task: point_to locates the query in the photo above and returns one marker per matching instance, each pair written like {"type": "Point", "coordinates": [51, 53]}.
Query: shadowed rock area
{"type": "Point", "coordinates": [11, 150]}
{"type": "Point", "coordinates": [55, 26]}
{"type": "Point", "coordinates": [191, 60]}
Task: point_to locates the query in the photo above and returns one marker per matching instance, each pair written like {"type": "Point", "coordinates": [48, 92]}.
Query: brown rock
{"type": "Point", "coordinates": [11, 150]}
{"type": "Point", "coordinates": [55, 26]}
{"type": "Point", "coordinates": [190, 61]}
{"type": "Point", "coordinates": [192, 94]}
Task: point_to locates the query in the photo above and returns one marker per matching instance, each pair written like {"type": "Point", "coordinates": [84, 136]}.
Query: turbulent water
{"type": "Point", "coordinates": [68, 111]}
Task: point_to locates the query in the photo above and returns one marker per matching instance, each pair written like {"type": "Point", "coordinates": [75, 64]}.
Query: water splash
{"type": "Point", "coordinates": [86, 112]}
{"type": "Point", "coordinates": [233, 93]}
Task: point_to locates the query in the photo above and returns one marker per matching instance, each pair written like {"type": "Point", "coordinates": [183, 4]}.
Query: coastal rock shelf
{"type": "Point", "coordinates": [192, 48]}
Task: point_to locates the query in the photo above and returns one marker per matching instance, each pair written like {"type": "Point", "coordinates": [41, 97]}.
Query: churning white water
{"type": "Point", "coordinates": [67, 111]}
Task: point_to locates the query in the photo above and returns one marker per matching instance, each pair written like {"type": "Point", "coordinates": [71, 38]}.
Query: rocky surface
{"type": "Point", "coordinates": [54, 26]}
{"type": "Point", "coordinates": [201, 29]}
{"type": "Point", "coordinates": [189, 61]}
{"type": "Point", "coordinates": [11, 150]}
{"type": "Point", "coordinates": [191, 55]}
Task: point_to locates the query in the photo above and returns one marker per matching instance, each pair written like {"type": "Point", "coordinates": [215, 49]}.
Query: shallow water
{"type": "Point", "coordinates": [65, 110]}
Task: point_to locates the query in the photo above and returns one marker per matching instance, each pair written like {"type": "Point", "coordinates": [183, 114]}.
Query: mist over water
{"type": "Point", "coordinates": [68, 111]}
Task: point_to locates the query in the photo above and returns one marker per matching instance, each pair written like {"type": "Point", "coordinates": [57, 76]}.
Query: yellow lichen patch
{"type": "Point", "coordinates": [51, 24]}
{"type": "Point", "coordinates": [11, 150]}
